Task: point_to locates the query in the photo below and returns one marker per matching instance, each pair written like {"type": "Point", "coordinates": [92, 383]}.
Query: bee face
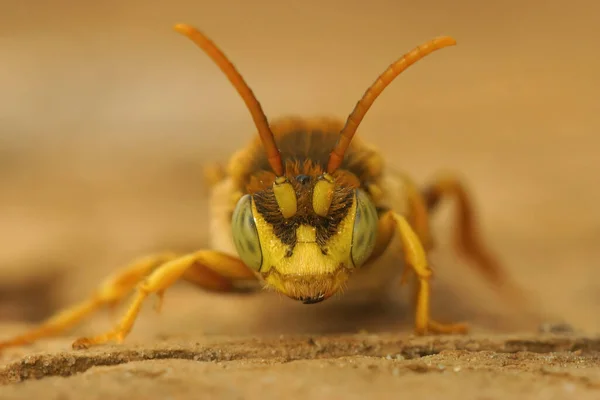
{"type": "Point", "coordinates": [308, 254]}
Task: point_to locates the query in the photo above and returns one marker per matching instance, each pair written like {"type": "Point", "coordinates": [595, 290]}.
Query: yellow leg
{"type": "Point", "coordinates": [418, 213]}
{"type": "Point", "coordinates": [108, 294]}
{"type": "Point", "coordinates": [208, 264]}
{"type": "Point", "coordinates": [416, 259]}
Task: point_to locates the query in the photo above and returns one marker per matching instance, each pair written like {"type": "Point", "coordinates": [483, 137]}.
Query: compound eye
{"type": "Point", "coordinates": [365, 229]}
{"type": "Point", "coordinates": [245, 234]}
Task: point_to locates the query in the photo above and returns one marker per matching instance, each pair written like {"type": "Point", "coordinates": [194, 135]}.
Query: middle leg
{"type": "Point", "coordinates": [467, 240]}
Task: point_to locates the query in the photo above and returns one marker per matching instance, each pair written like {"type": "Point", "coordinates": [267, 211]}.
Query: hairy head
{"type": "Point", "coordinates": [305, 234]}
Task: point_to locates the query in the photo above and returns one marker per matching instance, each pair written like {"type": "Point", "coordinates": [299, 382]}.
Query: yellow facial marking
{"type": "Point", "coordinates": [308, 270]}
{"type": "Point", "coordinates": [306, 234]}
{"type": "Point", "coordinates": [285, 196]}
{"type": "Point", "coordinates": [323, 194]}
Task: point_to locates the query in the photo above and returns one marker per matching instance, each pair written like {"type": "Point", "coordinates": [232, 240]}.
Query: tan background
{"type": "Point", "coordinates": [107, 116]}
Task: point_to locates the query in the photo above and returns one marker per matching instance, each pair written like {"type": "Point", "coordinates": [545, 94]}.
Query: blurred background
{"type": "Point", "coordinates": [107, 117]}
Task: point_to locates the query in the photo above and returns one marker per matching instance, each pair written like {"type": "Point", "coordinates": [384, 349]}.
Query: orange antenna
{"type": "Point", "coordinates": [260, 120]}
{"type": "Point", "coordinates": [354, 119]}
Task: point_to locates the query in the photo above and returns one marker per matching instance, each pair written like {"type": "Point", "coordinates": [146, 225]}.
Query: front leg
{"type": "Point", "coordinates": [207, 268]}
{"type": "Point", "coordinates": [416, 259]}
{"type": "Point", "coordinates": [108, 295]}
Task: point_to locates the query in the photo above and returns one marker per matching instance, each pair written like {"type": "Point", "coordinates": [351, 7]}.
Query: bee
{"type": "Point", "coordinates": [304, 209]}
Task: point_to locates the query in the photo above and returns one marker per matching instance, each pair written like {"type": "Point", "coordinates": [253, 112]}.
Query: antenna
{"type": "Point", "coordinates": [354, 119]}
{"type": "Point", "coordinates": [260, 120]}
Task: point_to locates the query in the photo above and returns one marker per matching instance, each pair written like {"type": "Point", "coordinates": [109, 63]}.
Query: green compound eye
{"type": "Point", "coordinates": [245, 234]}
{"type": "Point", "coordinates": [365, 229]}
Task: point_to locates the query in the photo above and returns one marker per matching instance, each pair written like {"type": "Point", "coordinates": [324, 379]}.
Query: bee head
{"type": "Point", "coordinates": [305, 234]}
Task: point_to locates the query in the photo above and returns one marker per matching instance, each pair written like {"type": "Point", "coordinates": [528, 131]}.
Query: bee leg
{"type": "Point", "coordinates": [467, 241]}
{"type": "Point", "coordinates": [109, 294]}
{"type": "Point", "coordinates": [416, 259]}
{"type": "Point", "coordinates": [212, 269]}
{"type": "Point", "coordinates": [211, 280]}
